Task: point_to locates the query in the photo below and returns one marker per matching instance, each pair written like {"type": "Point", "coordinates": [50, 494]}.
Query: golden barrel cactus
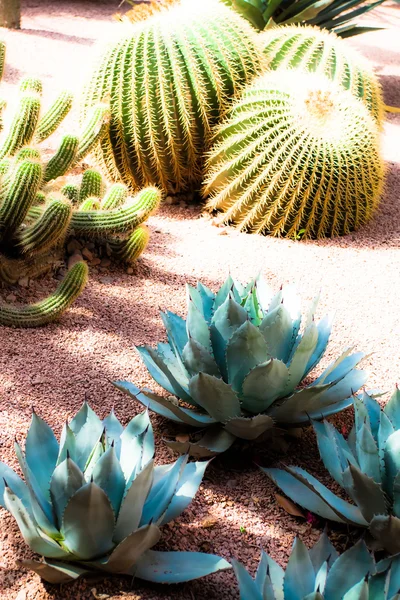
{"type": "Point", "coordinates": [168, 81]}
{"type": "Point", "coordinates": [320, 51]}
{"type": "Point", "coordinates": [297, 156]}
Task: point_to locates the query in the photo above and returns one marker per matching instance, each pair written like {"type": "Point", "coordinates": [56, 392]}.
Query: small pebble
{"type": "Point", "coordinates": [75, 258]}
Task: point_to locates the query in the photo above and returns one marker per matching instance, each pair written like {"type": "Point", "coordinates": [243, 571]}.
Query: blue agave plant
{"type": "Point", "coordinates": [366, 466]}
{"type": "Point", "coordinates": [95, 501]}
{"type": "Point", "coordinates": [239, 362]}
{"type": "Point", "coordinates": [321, 574]}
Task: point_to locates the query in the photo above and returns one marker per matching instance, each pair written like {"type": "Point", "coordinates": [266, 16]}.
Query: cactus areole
{"type": "Point", "coordinates": [168, 81]}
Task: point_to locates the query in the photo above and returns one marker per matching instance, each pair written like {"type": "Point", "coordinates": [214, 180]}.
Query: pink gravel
{"type": "Point", "coordinates": [56, 368]}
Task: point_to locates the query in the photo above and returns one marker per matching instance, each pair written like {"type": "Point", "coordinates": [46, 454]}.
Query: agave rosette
{"type": "Point", "coordinates": [236, 366]}
{"type": "Point", "coordinates": [366, 466]}
{"type": "Point", "coordinates": [321, 574]}
{"type": "Point", "coordinates": [96, 502]}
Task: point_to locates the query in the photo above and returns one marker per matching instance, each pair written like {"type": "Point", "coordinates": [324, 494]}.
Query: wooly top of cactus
{"type": "Point", "coordinates": [320, 51]}
{"type": "Point", "coordinates": [297, 153]}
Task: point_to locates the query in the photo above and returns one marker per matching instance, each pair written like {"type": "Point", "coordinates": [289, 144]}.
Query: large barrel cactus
{"type": "Point", "coordinates": [298, 156]}
{"type": "Point", "coordinates": [319, 51]}
{"type": "Point", "coordinates": [168, 81]}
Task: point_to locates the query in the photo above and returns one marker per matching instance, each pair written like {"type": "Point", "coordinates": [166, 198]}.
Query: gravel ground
{"type": "Point", "coordinates": [55, 368]}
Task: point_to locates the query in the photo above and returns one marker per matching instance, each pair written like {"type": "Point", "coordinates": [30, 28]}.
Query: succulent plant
{"type": "Point", "coordinates": [337, 16]}
{"type": "Point", "coordinates": [169, 80]}
{"type": "Point", "coordinates": [238, 364]}
{"type": "Point", "coordinates": [366, 466]}
{"type": "Point", "coordinates": [321, 574]}
{"type": "Point", "coordinates": [297, 156]}
{"type": "Point", "coordinates": [95, 501]}
{"type": "Point", "coordinates": [319, 51]}
{"type": "Point", "coordinates": [51, 308]}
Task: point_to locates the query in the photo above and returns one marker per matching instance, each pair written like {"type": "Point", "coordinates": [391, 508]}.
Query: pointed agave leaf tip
{"type": "Point", "coordinates": [33, 410]}
{"type": "Point", "coordinates": [112, 444]}
{"type": "Point", "coordinates": [68, 454]}
{"type": "Point", "coordinates": [5, 482]}
{"type": "Point", "coordinates": [91, 478]}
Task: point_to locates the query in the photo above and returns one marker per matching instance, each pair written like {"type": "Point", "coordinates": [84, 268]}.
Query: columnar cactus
{"type": "Point", "coordinates": [298, 156]}
{"type": "Point", "coordinates": [320, 51]}
{"type": "Point", "coordinates": [168, 82]}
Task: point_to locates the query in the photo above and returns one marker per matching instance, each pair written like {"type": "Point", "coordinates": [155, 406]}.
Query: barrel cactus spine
{"type": "Point", "coordinates": [297, 155]}
{"type": "Point", "coordinates": [320, 51]}
{"type": "Point", "coordinates": [208, 53]}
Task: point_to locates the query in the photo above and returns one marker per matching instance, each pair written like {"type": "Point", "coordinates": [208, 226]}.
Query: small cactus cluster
{"type": "Point", "coordinates": [297, 156]}
{"type": "Point", "coordinates": [169, 80]}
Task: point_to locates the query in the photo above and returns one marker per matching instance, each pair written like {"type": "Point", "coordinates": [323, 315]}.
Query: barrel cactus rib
{"type": "Point", "coordinates": [296, 156]}
{"type": "Point", "coordinates": [130, 248]}
{"type": "Point", "coordinates": [237, 364]}
{"type": "Point", "coordinates": [317, 51]}
{"type": "Point", "coordinates": [54, 116]}
{"type": "Point", "coordinates": [365, 466]}
{"type": "Point", "coordinates": [50, 309]}
{"type": "Point", "coordinates": [95, 502]}
{"type": "Point", "coordinates": [168, 83]}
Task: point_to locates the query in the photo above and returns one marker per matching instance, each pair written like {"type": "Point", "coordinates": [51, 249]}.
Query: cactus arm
{"type": "Point", "coordinates": [47, 230]}
{"type": "Point", "coordinates": [31, 85]}
{"type": "Point", "coordinates": [115, 196]}
{"type": "Point", "coordinates": [91, 185]}
{"type": "Point", "coordinates": [54, 116]}
{"type": "Point", "coordinates": [128, 250]}
{"type": "Point", "coordinates": [50, 309]}
{"type": "Point", "coordinates": [90, 204]}
{"type": "Point", "coordinates": [23, 126]}
{"type": "Point", "coordinates": [95, 129]}
{"type": "Point", "coordinates": [70, 191]}
{"type": "Point", "coordinates": [20, 195]}
{"type": "Point", "coordinates": [63, 159]}
{"type": "Point", "coordinates": [27, 153]}
{"type": "Point", "coordinates": [2, 58]}
{"type": "Point", "coordinates": [119, 220]}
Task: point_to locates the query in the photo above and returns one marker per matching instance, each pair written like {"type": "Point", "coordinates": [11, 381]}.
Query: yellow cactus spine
{"type": "Point", "coordinates": [168, 83]}
{"type": "Point", "coordinates": [298, 156]}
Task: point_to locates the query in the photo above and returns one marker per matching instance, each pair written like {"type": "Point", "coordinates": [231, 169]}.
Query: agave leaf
{"type": "Point", "coordinates": [314, 596]}
{"type": "Point", "coordinates": [252, 307]}
{"type": "Point", "coordinates": [340, 394]}
{"type": "Point", "coordinates": [309, 493]}
{"type": "Point", "coordinates": [137, 446]}
{"type": "Point", "coordinates": [248, 588]}
{"type": "Point", "coordinates": [87, 428]}
{"type": "Point", "coordinates": [177, 567]}
{"type": "Point", "coordinates": [16, 484]}
{"type": "Point", "coordinates": [188, 484]}
{"type": "Point", "coordinates": [392, 409]}
{"type": "Point", "coordinates": [223, 293]}
{"type": "Point", "coordinates": [67, 445]}
{"type": "Point", "coordinates": [361, 414]}
{"type": "Point", "coordinates": [53, 571]}
{"type": "Point", "coordinates": [197, 326]}
{"type": "Point", "coordinates": [392, 575]}
{"type": "Point", "coordinates": [88, 523]}
{"type": "Point", "coordinates": [374, 413]}
{"type": "Point", "coordinates": [367, 454]}
{"type": "Point", "coordinates": [249, 428]}
{"type": "Point", "coordinates": [264, 293]}
{"type": "Point", "coordinates": [66, 480]}
{"type": "Point", "coordinates": [160, 372]}
{"type": "Point", "coordinates": [396, 495]}
{"type": "Point", "coordinates": [392, 458]}
{"type": "Point", "coordinates": [350, 568]}
{"type": "Point", "coordinates": [301, 405]}
{"type": "Point", "coordinates": [277, 330]}
{"type": "Point", "coordinates": [108, 475]}
{"type": "Point", "coordinates": [299, 576]}
{"type": "Point", "coordinates": [93, 458]}
{"type": "Point", "coordinates": [301, 356]}
{"type": "Point", "coordinates": [368, 494]}
{"type": "Point", "coordinates": [263, 385]}
{"type": "Point", "coordinates": [323, 552]}
{"type": "Point", "coordinates": [215, 396]}
{"type": "Point", "coordinates": [176, 331]}
{"type": "Point", "coordinates": [386, 530]}
{"type": "Point", "coordinates": [226, 320]}
{"type": "Point", "coordinates": [262, 573]}
{"type": "Point", "coordinates": [360, 591]}
{"type": "Point", "coordinates": [340, 367]}
{"type": "Point", "coordinates": [384, 432]}
{"type": "Point", "coordinates": [324, 331]}
{"type": "Point", "coordinates": [129, 551]}
{"type": "Point", "coordinates": [207, 299]}
{"type": "Point", "coordinates": [333, 450]}
{"type": "Point", "coordinates": [29, 529]}
{"type": "Point", "coordinates": [41, 452]}
{"type": "Point", "coordinates": [162, 493]}
{"type": "Point", "coordinates": [214, 441]}
{"type": "Point", "coordinates": [309, 13]}
{"type": "Point", "coordinates": [113, 431]}
{"type": "Point", "coordinates": [197, 358]}
{"type": "Point", "coordinates": [132, 505]}
{"type": "Point", "coordinates": [245, 350]}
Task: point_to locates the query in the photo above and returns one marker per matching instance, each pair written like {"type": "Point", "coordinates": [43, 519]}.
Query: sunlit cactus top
{"type": "Point", "coordinates": [96, 500]}
{"type": "Point", "coordinates": [321, 574]}
{"type": "Point", "coordinates": [240, 360]}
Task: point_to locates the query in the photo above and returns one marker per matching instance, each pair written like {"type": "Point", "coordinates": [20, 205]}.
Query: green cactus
{"type": "Point", "coordinates": [100, 223]}
{"type": "Point", "coordinates": [54, 116]}
{"type": "Point", "coordinates": [2, 58]}
{"type": "Point", "coordinates": [115, 196]}
{"type": "Point", "coordinates": [19, 196]}
{"type": "Point", "coordinates": [63, 159]}
{"type": "Point", "coordinates": [91, 185]}
{"type": "Point", "coordinates": [23, 127]}
{"type": "Point", "coordinates": [50, 309]}
{"type": "Point", "coordinates": [297, 156]}
{"type": "Point", "coordinates": [47, 230]}
{"type": "Point", "coordinates": [320, 51]}
{"type": "Point", "coordinates": [168, 83]}
{"type": "Point", "coordinates": [32, 85]}
{"type": "Point", "coordinates": [71, 191]}
{"type": "Point", "coordinates": [90, 204]}
{"type": "Point", "coordinates": [128, 250]}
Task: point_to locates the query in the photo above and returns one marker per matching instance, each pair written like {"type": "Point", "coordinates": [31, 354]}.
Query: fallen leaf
{"type": "Point", "coordinates": [182, 437]}
{"type": "Point", "coordinates": [209, 522]}
{"type": "Point", "coordinates": [289, 506]}
{"type": "Point", "coordinates": [99, 596]}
